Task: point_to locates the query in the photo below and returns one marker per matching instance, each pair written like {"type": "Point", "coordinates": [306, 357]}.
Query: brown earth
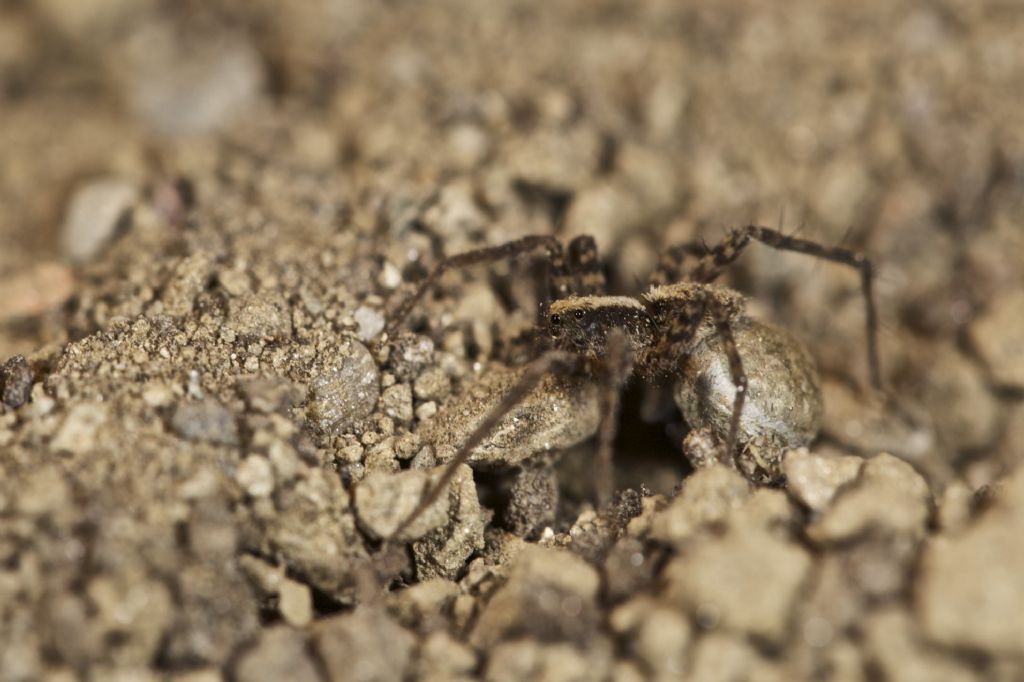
{"type": "Point", "coordinates": [205, 208]}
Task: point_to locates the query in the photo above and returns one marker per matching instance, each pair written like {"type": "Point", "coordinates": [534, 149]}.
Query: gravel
{"type": "Point", "coordinates": [206, 444]}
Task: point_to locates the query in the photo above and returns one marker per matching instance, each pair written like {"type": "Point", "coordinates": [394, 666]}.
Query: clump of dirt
{"type": "Point", "coordinates": [210, 210]}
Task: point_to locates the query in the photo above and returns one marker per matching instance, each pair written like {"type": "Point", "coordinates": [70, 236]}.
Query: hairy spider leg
{"type": "Point", "coordinates": [720, 256]}
{"type": "Point", "coordinates": [684, 319]}
{"type": "Point", "coordinates": [671, 262]}
{"type": "Point", "coordinates": [532, 376]}
{"type": "Point", "coordinates": [487, 254]}
{"type": "Point", "coordinates": [584, 267]}
{"type": "Point", "coordinates": [617, 370]}
{"type": "Point", "coordinates": [679, 321]}
{"type": "Point", "coordinates": [722, 315]}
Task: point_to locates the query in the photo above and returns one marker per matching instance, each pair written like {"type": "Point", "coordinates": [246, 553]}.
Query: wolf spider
{"type": "Point", "coordinates": [683, 327]}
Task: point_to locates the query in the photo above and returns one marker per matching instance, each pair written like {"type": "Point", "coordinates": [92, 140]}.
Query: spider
{"type": "Point", "coordinates": [684, 327]}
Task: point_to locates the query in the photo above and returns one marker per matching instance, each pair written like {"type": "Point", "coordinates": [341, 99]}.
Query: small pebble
{"type": "Point", "coordinates": [550, 594]}
{"type": "Point", "coordinates": [270, 395]}
{"type": "Point", "coordinates": [256, 476]}
{"type": "Point", "coordinates": [235, 282]}
{"type": "Point", "coordinates": [16, 379]}
{"type": "Point", "coordinates": [966, 413]}
{"type": "Point", "coordinates": [383, 501]}
{"type": "Point", "coordinates": [363, 646]}
{"type": "Point", "coordinates": [888, 497]}
{"type": "Point", "coordinates": [442, 657]}
{"type": "Point", "coordinates": [410, 355]}
{"type": "Point", "coordinates": [186, 282]}
{"type": "Point", "coordinates": [257, 316]}
{"type": "Point", "coordinates": [396, 401]}
{"type": "Point", "coordinates": [970, 594]}
{"type": "Point", "coordinates": [426, 410]}
{"type": "Point", "coordinates": [444, 553]}
{"type": "Point", "coordinates": [370, 321]}
{"type": "Point", "coordinates": [41, 403]}
{"type": "Point", "coordinates": [998, 335]}
{"type": "Point", "coordinates": [893, 643]}
{"type": "Point", "coordinates": [390, 276]}
{"type": "Point", "coordinates": [157, 394]}
{"type": "Point", "coordinates": [749, 579]}
{"type": "Point", "coordinates": [279, 654]}
{"type": "Point", "coordinates": [205, 420]}
{"type": "Point", "coordinates": [346, 391]}
{"type": "Point", "coordinates": [79, 432]}
{"type": "Point", "coordinates": [180, 90]}
{"type": "Point", "coordinates": [709, 496]}
{"type": "Point", "coordinates": [432, 384]}
{"type": "Point", "coordinates": [94, 213]}
{"type": "Point", "coordinates": [295, 602]}
{"type": "Point", "coordinates": [814, 479]}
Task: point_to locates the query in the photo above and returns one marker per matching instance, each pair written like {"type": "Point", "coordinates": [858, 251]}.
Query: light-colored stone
{"type": "Point", "coordinates": [295, 602]}
{"type": "Point", "coordinates": [79, 432]}
{"type": "Point", "coordinates": [708, 496]}
{"type": "Point", "coordinates": [814, 480]}
{"type": "Point", "coordinates": [256, 476]}
{"type": "Point", "coordinates": [748, 580]}
{"type": "Point", "coordinates": [363, 646]}
{"type": "Point", "coordinates": [970, 593]}
{"type": "Point", "coordinates": [894, 645]}
{"type": "Point", "coordinates": [93, 215]}
{"type": "Point", "coordinates": [280, 654]}
{"type": "Point", "coordinates": [550, 593]}
{"type": "Point", "coordinates": [444, 552]}
{"type": "Point", "coordinates": [384, 501]}
{"type": "Point", "coordinates": [345, 391]}
{"type": "Point", "coordinates": [999, 337]}
{"type": "Point", "coordinates": [888, 496]}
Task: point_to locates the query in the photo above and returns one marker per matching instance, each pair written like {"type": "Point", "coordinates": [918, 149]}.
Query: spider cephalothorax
{"type": "Point", "coordinates": [582, 324]}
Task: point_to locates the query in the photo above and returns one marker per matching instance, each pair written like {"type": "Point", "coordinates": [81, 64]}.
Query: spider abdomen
{"type": "Point", "coordinates": [783, 402]}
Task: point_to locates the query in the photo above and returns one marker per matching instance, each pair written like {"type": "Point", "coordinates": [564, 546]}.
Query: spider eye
{"type": "Point", "coordinates": [578, 314]}
{"type": "Point", "coordinates": [555, 320]}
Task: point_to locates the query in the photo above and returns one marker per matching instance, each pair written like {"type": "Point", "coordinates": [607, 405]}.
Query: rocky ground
{"type": "Point", "coordinates": [209, 208]}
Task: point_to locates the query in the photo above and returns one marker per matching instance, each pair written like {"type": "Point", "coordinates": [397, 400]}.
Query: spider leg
{"type": "Point", "coordinates": [721, 316]}
{"type": "Point", "coordinates": [487, 254]}
{"type": "Point", "coordinates": [532, 376]}
{"type": "Point", "coordinates": [670, 264]}
{"type": "Point", "coordinates": [713, 264]}
{"type": "Point", "coordinates": [617, 371]}
{"type": "Point", "coordinates": [582, 275]}
{"type": "Point", "coordinates": [685, 319]}
{"type": "Point", "coordinates": [674, 339]}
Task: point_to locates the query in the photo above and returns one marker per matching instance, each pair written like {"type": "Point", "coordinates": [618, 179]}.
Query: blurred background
{"type": "Point", "coordinates": [896, 128]}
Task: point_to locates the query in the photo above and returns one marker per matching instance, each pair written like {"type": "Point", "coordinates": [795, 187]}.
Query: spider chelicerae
{"type": "Point", "coordinates": [735, 378]}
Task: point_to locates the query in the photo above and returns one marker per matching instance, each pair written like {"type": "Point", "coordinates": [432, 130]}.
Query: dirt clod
{"type": "Point", "coordinates": [383, 502]}
{"type": "Point", "coordinates": [345, 392]}
{"type": "Point", "coordinates": [363, 646]}
{"type": "Point", "coordinates": [969, 595]}
{"type": "Point", "coordinates": [205, 420]}
{"type": "Point", "coordinates": [549, 594]}
{"type": "Point", "coordinates": [16, 380]}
